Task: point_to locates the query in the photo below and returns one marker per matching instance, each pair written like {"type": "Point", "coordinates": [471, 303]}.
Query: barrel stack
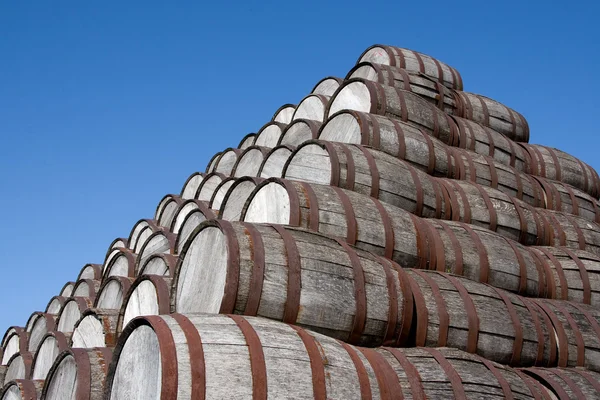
{"type": "Point", "coordinates": [389, 235]}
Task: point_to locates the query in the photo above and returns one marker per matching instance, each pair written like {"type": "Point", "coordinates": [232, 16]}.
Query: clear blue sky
{"type": "Point", "coordinates": [107, 106]}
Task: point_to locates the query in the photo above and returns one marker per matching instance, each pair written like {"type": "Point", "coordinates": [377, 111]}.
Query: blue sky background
{"type": "Point", "coordinates": [105, 107]}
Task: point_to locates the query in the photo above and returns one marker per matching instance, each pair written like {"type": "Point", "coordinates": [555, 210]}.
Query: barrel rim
{"type": "Point", "coordinates": [163, 295]}
{"type": "Point", "coordinates": [256, 179]}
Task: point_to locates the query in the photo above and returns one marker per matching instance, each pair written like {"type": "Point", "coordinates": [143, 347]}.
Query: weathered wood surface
{"type": "Point", "coordinates": [97, 327]}
{"type": "Point", "coordinates": [161, 242]}
{"type": "Point", "coordinates": [139, 233]}
{"type": "Point", "coordinates": [165, 211]}
{"type": "Point", "coordinates": [38, 325]}
{"type": "Point", "coordinates": [269, 134]}
{"type": "Point", "coordinates": [148, 295]}
{"type": "Point", "coordinates": [412, 242]}
{"type": "Point", "coordinates": [90, 271]}
{"type": "Point", "coordinates": [19, 366]}
{"type": "Point", "coordinates": [274, 162]}
{"type": "Point", "coordinates": [71, 313]}
{"type": "Point", "coordinates": [555, 164]}
{"type": "Point", "coordinates": [327, 86]}
{"type": "Point", "coordinates": [189, 188]}
{"type": "Point", "coordinates": [568, 383]}
{"type": "Point", "coordinates": [213, 161]}
{"type": "Point", "coordinates": [78, 374]}
{"type": "Point", "coordinates": [15, 340]}
{"type": "Point", "coordinates": [371, 97]}
{"type": "Point", "coordinates": [247, 141]}
{"type": "Point", "coordinates": [207, 188]}
{"type": "Point", "coordinates": [219, 194]}
{"type": "Point", "coordinates": [190, 222]}
{"type": "Point", "coordinates": [50, 347]}
{"type": "Point", "coordinates": [247, 357]}
{"type": "Point", "coordinates": [159, 264]}
{"type": "Point", "coordinates": [294, 276]}
{"type": "Point", "coordinates": [55, 304]}
{"type": "Point", "coordinates": [300, 131]}
{"type": "Point", "coordinates": [234, 200]}
{"type": "Point", "coordinates": [123, 261]}
{"type": "Point", "coordinates": [312, 107]}
{"type": "Point", "coordinates": [22, 389]}
{"type": "Point", "coordinates": [112, 292]}
{"type": "Point", "coordinates": [249, 162]}
{"type": "Point", "coordinates": [67, 289]}
{"type": "Point", "coordinates": [185, 208]}
{"type": "Point", "coordinates": [86, 288]}
{"type": "Point", "coordinates": [118, 243]}
{"type": "Point", "coordinates": [560, 196]}
{"type": "Point", "coordinates": [225, 162]}
{"type": "Point", "coordinates": [415, 62]}
{"type": "Point", "coordinates": [572, 232]}
{"type": "Point", "coordinates": [284, 114]}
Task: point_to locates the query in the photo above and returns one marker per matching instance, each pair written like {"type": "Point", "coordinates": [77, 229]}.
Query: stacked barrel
{"type": "Point", "coordinates": [390, 236]}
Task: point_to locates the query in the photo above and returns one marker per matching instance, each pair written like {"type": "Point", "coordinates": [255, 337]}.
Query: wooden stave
{"type": "Point", "coordinates": [225, 162]}
{"type": "Point", "coordinates": [130, 258]}
{"type": "Point", "coordinates": [168, 260]}
{"type": "Point", "coordinates": [239, 170]}
{"type": "Point", "coordinates": [49, 321]}
{"type": "Point", "coordinates": [17, 335]}
{"type": "Point", "coordinates": [28, 389]}
{"type": "Point", "coordinates": [319, 116]}
{"type": "Point", "coordinates": [90, 271]}
{"type": "Point", "coordinates": [92, 284]}
{"type": "Point", "coordinates": [108, 319]}
{"type": "Point", "coordinates": [311, 127]}
{"type": "Point", "coordinates": [247, 140]}
{"type": "Point", "coordinates": [162, 287]}
{"type": "Point", "coordinates": [220, 191]}
{"type": "Point", "coordinates": [234, 193]}
{"type": "Point", "coordinates": [144, 226]}
{"type": "Point", "coordinates": [282, 119]}
{"type": "Point", "coordinates": [67, 289]}
{"type": "Point", "coordinates": [123, 283]}
{"type": "Point", "coordinates": [59, 299]}
{"type": "Point", "coordinates": [165, 209]}
{"type": "Point", "coordinates": [19, 366]}
{"type": "Point", "coordinates": [82, 303]}
{"type": "Point", "coordinates": [260, 139]}
{"type": "Point", "coordinates": [268, 161]}
{"type": "Point", "coordinates": [559, 196]}
{"type": "Point", "coordinates": [572, 231]}
{"type": "Point", "coordinates": [163, 242]}
{"type": "Point", "coordinates": [575, 383]}
{"type": "Point", "coordinates": [61, 344]}
{"type": "Point", "coordinates": [190, 222]}
{"type": "Point", "coordinates": [320, 87]}
{"type": "Point", "coordinates": [204, 192]}
{"type": "Point", "coordinates": [188, 190]}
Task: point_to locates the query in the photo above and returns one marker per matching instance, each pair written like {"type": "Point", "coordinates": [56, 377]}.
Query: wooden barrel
{"type": "Point", "coordinates": [249, 162]}
{"type": "Point", "coordinates": [247, 141]}
{"type": "Point", "coordinates": [188, 191]}
{"type": "Point", "coordinates": [257, 358]}
{"type": "Point", "coordinates": [22, 389]}
{"type": "Point", "coordinates": [165, 211]}
{"type": "Point", "coordinates": [19, 366]}
{"type": "Point", "coordinates": [563, 197]}
{"type": "Point", "coordinates": [327, 86]}
{"type": "Point", "coordinates": [97, 327]}
{"type": "Point", "coordinates": [284, 114]}
{"type": "Point", "coordinates": [305, 264]}
{"type": "Point", "coordinates": [577, 331]}
{"type": "Point", "coordinates": [78, 374]}
{"type": "Point", "coordinates": [567, 383]}
{"type": "Point", "coordinates": [118, 243]}
{"type": "Point", "coordinates": [139, 233]}
{"type": "Point", "coordinates": [67, 289]}
{"type": "Point", "coordinates": [71, 313]}
{"type": "Point", "coordinates": [236, 197]}
{"type": "Point", "coordinates": [274, 162]}
{"type": "Point", "coordinates": [86, 288]}
{"type": "Point", "coordinates": [185, 208]}
{"type": "Point", "coordinates": [2, 375]}
{"type": "Point", "coordinates": [225, 162]}
{"type": "Point", "coordinates": [55, 304]}
{"type": "Point", "coordinates": [555, 164]}
{"type": "Point", "coordinates": [159, 264]}
{"type": "Point", "coordinates": [38, 325]}
{"type": "Point", "coordinates": [503, 327]}
{"type": "Point", "coordinates": [312, 107]}
{"type": "Point", "coordinates": [383, 229]}
{"type": "Point", "coordinates": [148, 295]}
{"type": "Point", "coordinates": [15, 340]}
{"type": "Point", "coordinates": [369, 172]}
{"type": "Point", "coordinates": [396, 138]}
{"type": "Point", "coordinates": [122, 263]}
{"type": "Point", "coordinates": [573, 274]}
{"type": "Point", "coordinates": [269, 134]}
{"type": "Point", "coordinates": [572, 232]}
{"type": "Point", "coordinates": [162, 242]}
{"type": "Point", "coordinates": [219, 194]}
{"type": "Point", "coordinates": [300, 131]}
{"type": "Point", "coordinates": [371, 97]}
{"type": "Point", "coordinates": [191, 221]}
{"type": "Point", "coordinates": [427, 88]}
{"type": "Point", "coordinates": [50, 347]}
{"type": "Point", "coordinates": [90, 271]}
{"type": "Point", "coordinates": [208, 186]}
{"type": "Point", "coordinates": [213, 162]}
{"type": "Point", "coordinates": [468, 166]}
{"type": "Point", "coordinates": [413, 61]}
{"type": "Point", "coordinates": [112, 292]}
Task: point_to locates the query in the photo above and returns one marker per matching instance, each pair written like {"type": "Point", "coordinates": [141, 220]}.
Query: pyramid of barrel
{"type": "Point", "coordinates": [388, 236]}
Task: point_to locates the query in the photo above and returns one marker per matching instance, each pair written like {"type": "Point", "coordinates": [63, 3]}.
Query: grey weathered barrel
{"type": "Point", "coordinates": [249, 162]}
{"type": "Point", "coordinates": [97, 327]}
{"type": "Point", "coordinates": [161, 242]}
{"type": "Point", "coordinates": [207, 188]}
{"type": "Point", "coordinates": [71, 313]}
{"type": "Point", "coordinates": [369, 172]}
{"type": "Point", "coordinates": [22, 389]}
{"type": "Point", "coordinates": [220, 192]}
{"type": "Point", "coordinates": [78, 374]}
{"type": "Point", "coordinates": [185, 208]}
{"type": "Point", "coordinates": [245, 357]}
{"type": "Point", "coordinates": [568, 383]}
{"type": "Point", "coordinates": [55, 304]}
{"type": "Point", "coordinates": [86, 288]}
{"type": "Point", "coordinates": [269, 134]}
{"type": "Point", "coordinates": [191, 221]}
{"type": "Point", "coordinates": [284, 114]}
{"type": "Point", "coordinates": [274, 162]}
{"type": "Point", "coordinates": [312, 107]}
{"type": "Point", "coordinates": [577, 328]}
{"type": "Point", "coordinates": [165, 210]}
{"type": "Point", "coordinates": [573, 274]}
{"type": "Point", "coordinates": [50, 347]}
{"type": "Point", "coordinates": [213, 161]}
{"type": "Point", "coordinates": [236, 197]}
{"type": "Point", "coordinates": [368, 224]}
{"type": "Point", "coordinates": [413, 61]}
{"type": "Point", "coordinates": [294, 276]}
{"type": "Point", "coordinates": [555, 164]}
{"type": "Point", "coordinates": [300, 131]}
{"type": "Point", "coordinates": [115, 246]}
{"type": "Point", "coordinates": [572, 232]}
{"type": "Point", "coordinates": [148, 295]}
{"type": "Point", "coordinates": [247, 141]}
{"type": "Point", "coordinates": [15, 340]}
{"type": "Point", "coordinates": [67, 289]}
{"type": "Point", "coordinates": [500, 326]}
{"type": "Point", "coordinates": [40, 324]}
{"type": "Point", "coordinates": [139, 233]}
{"type": "Point", "coordinates": [189, 188]}
{"type": "Point", "coordinates": [123, 262]}
{"type": "Point", "coordinates": [159, 264]}
{"type": "Point", "coordinates": [19, 366]}
{"type": "Point", "coordinates": [327, 86]}
{"type": "Point", "coordinates": [90, 271]}
{"type": "Point", "coordinates": [225, 162]}
{"type": "Point", "coordinates": [371, 97]}
{"type": "Point", "coordinates": [560, 196]}
{"type": "Point", "coordinates": [112, 292]}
